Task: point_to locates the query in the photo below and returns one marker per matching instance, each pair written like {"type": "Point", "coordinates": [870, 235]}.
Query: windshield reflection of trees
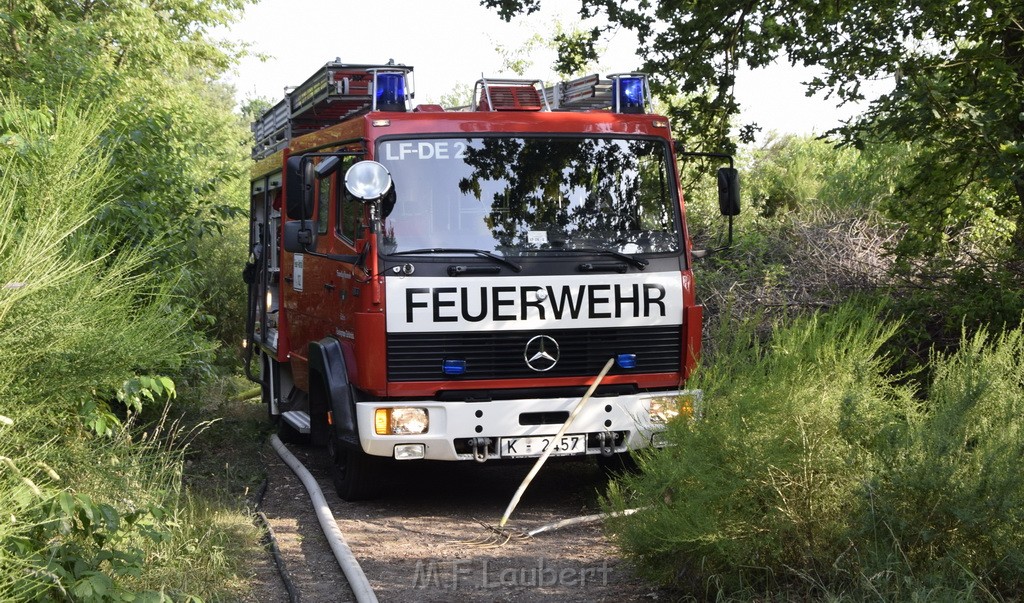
{"type": "Point", "coordinates": [581, 193]}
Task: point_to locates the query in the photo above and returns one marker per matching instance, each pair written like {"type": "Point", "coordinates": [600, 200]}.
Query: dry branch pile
{"type": "Point", "coordinates": [808, 263]}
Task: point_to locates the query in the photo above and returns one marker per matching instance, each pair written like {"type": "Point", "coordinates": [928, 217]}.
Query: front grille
{"type": "Point", "coordinates": [499, 354]}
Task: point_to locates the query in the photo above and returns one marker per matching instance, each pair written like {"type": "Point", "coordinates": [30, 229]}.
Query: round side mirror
{"type": "Point", "coordinates": [368, 180]}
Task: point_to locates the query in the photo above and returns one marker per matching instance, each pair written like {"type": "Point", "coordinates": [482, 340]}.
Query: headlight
{"type": "Point", "coordinates": [666, 408]}
{"type": "Point", "coordinates": [400, 421]}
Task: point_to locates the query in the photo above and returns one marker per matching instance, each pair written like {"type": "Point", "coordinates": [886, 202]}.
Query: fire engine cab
{"type": "Point", "coordinates": [430, 283]}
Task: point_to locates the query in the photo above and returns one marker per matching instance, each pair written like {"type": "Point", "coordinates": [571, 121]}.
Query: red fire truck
{"type": "Point", "coordinates": [430, 283]}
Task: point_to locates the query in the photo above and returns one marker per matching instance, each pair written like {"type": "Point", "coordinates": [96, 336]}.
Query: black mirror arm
{"type": "Point", "coordinates": [729, 203]}
{"type": "Point", "coordinates": [703, 253]}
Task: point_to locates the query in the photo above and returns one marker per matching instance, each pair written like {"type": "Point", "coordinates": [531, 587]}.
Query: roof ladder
{"type": "Point", "coordinates": [334, 93]}
{"type": "Point", "coordinates": [492, 94]}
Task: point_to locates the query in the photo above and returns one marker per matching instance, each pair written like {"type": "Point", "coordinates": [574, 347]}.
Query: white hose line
{"type": "Point", "coordinates": [561, 432]}
{"type": "Point", "coordinates": [349, 566]}
{"type": "Point", "coordinates": [579, 521]}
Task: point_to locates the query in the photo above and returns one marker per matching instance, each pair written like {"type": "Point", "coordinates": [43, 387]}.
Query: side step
{"type": "Point", "coordinates": [298, 419]}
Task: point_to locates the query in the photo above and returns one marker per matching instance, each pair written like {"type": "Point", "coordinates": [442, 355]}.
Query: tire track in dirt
{"type": "Point", "coordinates": [423, 539]}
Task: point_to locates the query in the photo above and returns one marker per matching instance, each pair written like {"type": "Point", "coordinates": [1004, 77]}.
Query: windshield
{"type": "Point", "coordinates": [516, 196]}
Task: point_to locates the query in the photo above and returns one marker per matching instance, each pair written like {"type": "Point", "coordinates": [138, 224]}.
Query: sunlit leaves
{"type": "Point", "coordinates": [956, 70]}
{"type": "Point", "coordinates": [174, 139]}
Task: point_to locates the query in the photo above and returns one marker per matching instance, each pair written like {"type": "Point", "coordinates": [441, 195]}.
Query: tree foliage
{"type": "Point", "coordinates": [173, 139]}
{"type": "Point", "coordinates": [957, 69]}
{"type": "Point", "coordinates": [51, 40]}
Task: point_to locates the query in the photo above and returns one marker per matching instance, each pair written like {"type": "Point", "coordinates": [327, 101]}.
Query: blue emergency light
{"type": "Point", "coordinates": [389, 91]}
{"type": "Point", "coordinates": [454, 367]}
{"type": "Point", "coordinates": [629, 94]}
{"type": "Point", "coordinates": [626, 361]}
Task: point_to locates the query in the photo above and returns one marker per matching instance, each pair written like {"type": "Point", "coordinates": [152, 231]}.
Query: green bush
{"type": "Point", "coordinates": [799, 174]}
{"type": "Point", "coordinates": [77, 318]}
{"type": "Point", "coordinates": [88, 506]}
{"type": "Point", "coordinates": [758, 493]}
{"type": "Point", "coordinates": [947, 295]}
{"type": "Point", "coordinates": [222, 295]}
{"type": "Point", "coordinates": [947, 506]}
{"type": "Point", "coordinates": [811, 473]}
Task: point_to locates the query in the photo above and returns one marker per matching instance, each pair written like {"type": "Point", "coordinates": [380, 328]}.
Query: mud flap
{"type": "Point", "coordinates": [327, 363]}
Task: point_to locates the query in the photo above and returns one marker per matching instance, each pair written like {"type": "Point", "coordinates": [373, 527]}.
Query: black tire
{"type": "Point", "coordinates": [356, 475]}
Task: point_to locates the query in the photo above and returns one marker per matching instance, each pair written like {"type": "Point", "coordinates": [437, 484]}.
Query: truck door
{"type": "Point", "coordinates": [348, 230]}
{"type": "Point", "coordinates": [311, 280]}
{"type": "Point", "coordinates": [264, 267]}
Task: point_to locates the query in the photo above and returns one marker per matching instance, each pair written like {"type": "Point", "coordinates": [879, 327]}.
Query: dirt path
{"type": "Point", "coordinates": [423, 539]}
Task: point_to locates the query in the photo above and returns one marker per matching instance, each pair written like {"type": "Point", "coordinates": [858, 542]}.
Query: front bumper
{"type": "Point", "coordinates": [611, 424]}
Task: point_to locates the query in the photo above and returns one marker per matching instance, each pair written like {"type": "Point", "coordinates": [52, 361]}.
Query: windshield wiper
{"type": "Point", "coordinates": [639, 263]}
{"type": "Point", "coordinates": [477, 252]}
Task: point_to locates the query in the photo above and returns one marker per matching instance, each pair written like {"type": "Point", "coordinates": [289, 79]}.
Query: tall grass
{"type": "Point", "coordinates": [813, 473]}
{"type": "Point", "coordinates": [77, 318]}
{"type": "Point", "coordinates": [24, 489]}
{"type": "Point", "coordinates": [91, 504]}
{"type": "Point", "coordinates": [760, 489]}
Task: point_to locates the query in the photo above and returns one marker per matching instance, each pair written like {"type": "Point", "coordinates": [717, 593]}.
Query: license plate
{"type": "Point", "coordinates": [536, 445]}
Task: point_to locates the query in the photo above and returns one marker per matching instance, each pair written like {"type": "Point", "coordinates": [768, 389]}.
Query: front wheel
{"type": "Point", "coordinates": [356, 475]}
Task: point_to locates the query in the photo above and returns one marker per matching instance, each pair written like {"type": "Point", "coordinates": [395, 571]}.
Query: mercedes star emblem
{"type": "Point", "coordinates": [541, 353]}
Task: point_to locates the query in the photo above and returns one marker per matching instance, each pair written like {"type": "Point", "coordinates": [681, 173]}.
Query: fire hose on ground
{"type": "Point", "coordinates": [275, 551]}
{"type": "Point", "coordinates": [346, 560]}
